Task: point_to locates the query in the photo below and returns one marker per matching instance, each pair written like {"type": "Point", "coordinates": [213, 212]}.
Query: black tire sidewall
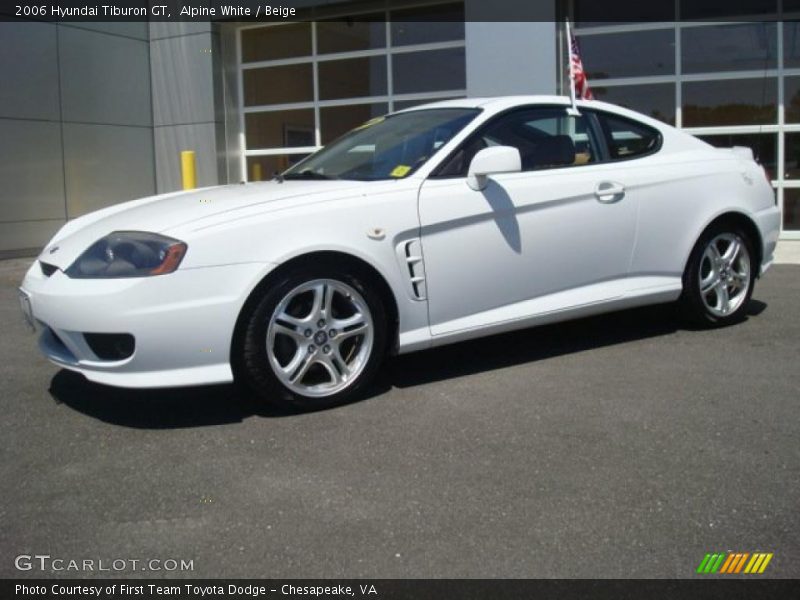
{"type": "Point", "coordinates": [692, 302]}
{"type": "Point", "coordinates": [252, 358]}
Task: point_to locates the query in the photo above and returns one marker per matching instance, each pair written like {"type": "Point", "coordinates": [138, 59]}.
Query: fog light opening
{"type": "Point", "coordinates": [111, 346]}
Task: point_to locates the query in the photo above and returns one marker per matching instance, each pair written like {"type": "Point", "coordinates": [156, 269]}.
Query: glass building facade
{"type": "Point", "coordinates": [305, 84]}
{"type": "Point", "coordinates": [729, 74]}
{"type": "Point", "coordinates": [95, 114]}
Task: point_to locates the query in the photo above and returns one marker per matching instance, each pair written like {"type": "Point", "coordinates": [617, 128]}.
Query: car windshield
{"type": "Point", "coordinates": [389, 147]}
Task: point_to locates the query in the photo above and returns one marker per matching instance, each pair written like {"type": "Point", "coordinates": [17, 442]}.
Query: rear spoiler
{"type": "Point", "coordinates": [740, 152]}
{"type": "Point", "coordinates": [745, 153]}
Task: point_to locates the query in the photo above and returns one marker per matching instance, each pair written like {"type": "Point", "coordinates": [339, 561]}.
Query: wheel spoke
{"type": "Point", "coordinates": [318, 306]}
{"type": "Point", "coordinates": [354, 330]}
{"type": "Point", "coordinates": [338, 361]}
{"type": "Point", "coordinates": [288, 320]}
{"type": "Point", "coordinates": [716, 257]}
{"type": "Point", "coordinates": [291, 331]}
{"type": "Point", "coordinates": [305, 363]}
{"type": "Point", "coordinates": [350, 326]}
{"type": "Point", "coordinates": [336, 377]}
{"type": "Point", "coordinates": [723, 298]}
{"type": "Point", "coordinates": [293, 364]}
{"type": "Point", "coordinates": [710, 281]}
{"type": "Point", "coordinates": [328, 305]}
{"type": "Point", "coordinates": [732, 251]}
{"type": "Point", "coordinates": [740, 279]}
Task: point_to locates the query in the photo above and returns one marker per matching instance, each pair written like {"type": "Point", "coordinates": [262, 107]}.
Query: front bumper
{"type": "Point", "coordinates": [182, 323]}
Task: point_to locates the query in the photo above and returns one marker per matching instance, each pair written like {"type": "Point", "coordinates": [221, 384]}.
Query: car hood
{"type": "Point", "coordinates": [204, 206]}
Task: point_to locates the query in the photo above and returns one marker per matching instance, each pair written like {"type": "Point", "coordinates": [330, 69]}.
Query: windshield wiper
{"type": "Point", "coordinates": [308, 175]}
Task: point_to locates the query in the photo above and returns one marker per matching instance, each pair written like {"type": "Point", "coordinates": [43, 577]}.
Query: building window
{"type": "Point", "coordinates": [791, 209]}
{"type": "Point", "coordinates": [740, 47]}
{"type": "Point", "coordinates": [592, 12]}
{"type": "Point", "coordinates": [611, 56]}
{"type": "Point", "coordinates": [764, 146]}
{"type": "Point", "coordinates": [730, 102]}
{"type": "Point", "coordinates": [305, 84]}
{"type": "Point", "coordinates": [724, 82]}
{"type": "Point", "coordinates": [691, 9]}
{"type": "Point", "coordinates": [654, 100]}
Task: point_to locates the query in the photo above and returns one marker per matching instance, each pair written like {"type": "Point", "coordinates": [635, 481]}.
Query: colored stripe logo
{"type": "Point", "coordinates": [731, 563]}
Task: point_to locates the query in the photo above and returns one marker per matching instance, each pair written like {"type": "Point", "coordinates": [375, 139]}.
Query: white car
{"type": "Point", "coordinates": [428, 226]}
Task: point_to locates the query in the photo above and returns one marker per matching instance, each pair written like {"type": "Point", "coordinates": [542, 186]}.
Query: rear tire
{"type": "Point", "coordinates": [314, 339]}
{"type": "Point", "coordinates": [719, 277]}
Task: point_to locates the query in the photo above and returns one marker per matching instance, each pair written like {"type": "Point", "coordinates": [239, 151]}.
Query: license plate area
{"type": "Point", "coordinates": [27, 310]}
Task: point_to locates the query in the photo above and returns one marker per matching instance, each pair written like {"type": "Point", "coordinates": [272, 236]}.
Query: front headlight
{"type": "Point", "coordinates": [128, 254]}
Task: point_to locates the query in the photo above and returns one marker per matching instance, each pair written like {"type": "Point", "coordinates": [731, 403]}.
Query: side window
{"type": "Point", "coordinates": [546, 138]}
{"type": "Point", "coordinates": [627, 138]}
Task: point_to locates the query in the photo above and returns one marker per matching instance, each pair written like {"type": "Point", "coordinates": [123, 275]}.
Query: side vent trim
{"type": "Point", "coordinates": [412, 251]}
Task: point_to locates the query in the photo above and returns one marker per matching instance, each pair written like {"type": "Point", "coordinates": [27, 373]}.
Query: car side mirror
{"type": "Point", "coordinates": [490, 161]}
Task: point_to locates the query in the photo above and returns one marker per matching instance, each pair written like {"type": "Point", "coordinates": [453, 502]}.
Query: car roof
{"type": "Point", "coordinates": [500, 103]}
{"type": "Point", "coordinates": [490, 102]}
{"type": "Point", "coordinates": [495, 101]}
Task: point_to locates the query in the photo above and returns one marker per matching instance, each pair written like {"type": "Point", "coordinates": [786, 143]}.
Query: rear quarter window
{"type": "Point", "coordinates": [627, 138]}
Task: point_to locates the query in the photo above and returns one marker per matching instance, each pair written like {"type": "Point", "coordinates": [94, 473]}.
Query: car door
{"type": "Point", "coordinates": [556, 235]}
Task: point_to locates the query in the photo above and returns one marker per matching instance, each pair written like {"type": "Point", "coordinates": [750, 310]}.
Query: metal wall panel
{"type": "Point", "coordinates": [188, 102]}
{"type": "Point", "coordinates": [510, 58]}
{"type": "Point", "coordinates": [29, 71]}
{"type": "Point", "coordinates": [30, 171]}
{"type": "Point", "coordinates": [26, 238]}
{"type": "Point", "coordinates": [200, 137]}
{"type": "Point", "coordinates": [183, 79]}
{"type": "Point", "coordinates": [164, 29]}
{"type": "Point", "coordinates": [134, 29]}
{"type": "Point", "coordinates": [104, 78]}
{"type": "Point", "coordinates": [106, 164]}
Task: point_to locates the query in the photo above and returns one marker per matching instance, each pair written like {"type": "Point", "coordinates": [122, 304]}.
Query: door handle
{"type": "Point", "coordinates": [609, 191]}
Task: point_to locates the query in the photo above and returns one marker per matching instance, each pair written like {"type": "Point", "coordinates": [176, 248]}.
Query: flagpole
{"type": "Point", "coordinates": [574, 107]}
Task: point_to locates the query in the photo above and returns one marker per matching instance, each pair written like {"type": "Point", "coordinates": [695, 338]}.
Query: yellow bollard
{"type": "Point", "coordinates": [257, 174]}
{"type": "Point", "coordinates": [188, 170]}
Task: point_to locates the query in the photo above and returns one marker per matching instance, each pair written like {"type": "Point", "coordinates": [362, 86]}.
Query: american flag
{"type": "Point", "coordinates": [582, 89]}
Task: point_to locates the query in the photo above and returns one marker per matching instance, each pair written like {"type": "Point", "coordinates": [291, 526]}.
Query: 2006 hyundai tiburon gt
{"type": "Point", "coordinates": [451, 221]}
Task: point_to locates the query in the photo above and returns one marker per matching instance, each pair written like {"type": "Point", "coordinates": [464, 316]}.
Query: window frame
{"type": "Point", "coordinates": [606, 135]}
{"type": "Point", "coordinates": [474, 110]}
{"type": "Point", "coordinates": [593, 128]}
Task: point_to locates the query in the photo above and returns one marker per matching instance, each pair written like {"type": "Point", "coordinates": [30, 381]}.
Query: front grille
{"type": "Point", "coordinates": [111, 346]}
{"type": "Point", "coordinates": [47, 268]}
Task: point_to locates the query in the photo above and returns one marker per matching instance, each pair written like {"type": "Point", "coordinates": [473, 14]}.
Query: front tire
{"type": "Point", "coordinates": [719, 277]}
{"type": "Point", "coordinates": [313, 340]}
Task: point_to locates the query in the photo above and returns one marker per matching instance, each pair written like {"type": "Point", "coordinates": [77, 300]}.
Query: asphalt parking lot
{"type": "Point", "coordinates": [618, 446]}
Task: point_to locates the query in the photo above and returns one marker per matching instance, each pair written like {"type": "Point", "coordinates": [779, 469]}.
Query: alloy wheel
{"type": "Point", "coordinates": [724, 276]}
{"type": "Point", "coordinates": [320, 337]}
